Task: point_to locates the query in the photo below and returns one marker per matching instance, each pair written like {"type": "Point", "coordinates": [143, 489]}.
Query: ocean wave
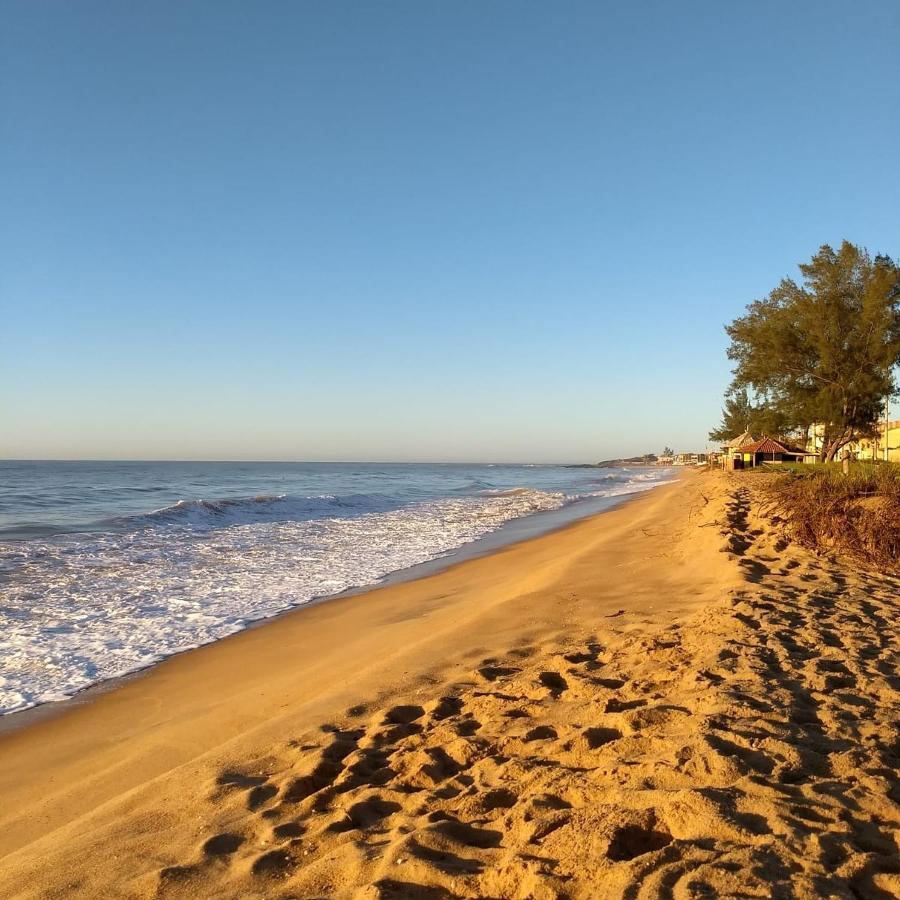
{"type": "Point", "coordinates": [82, 608]}
{"type": "Point", "coordinates": [634, 484]}
{"type": "Point", "coordinates": [474, 485]}
{"type": "Point", "coordinates": [27, 530]}
{"type": "Point", "coordinates": [612, 476]}
{"type": "Point", "coordinates": [656, 475]}
{"type": "Point", "coordinates": [212, 507]}
{"type": "Point", "coordinates": [117, 601]}
{"type": "Point", "coordinates": [505, 492]}
{"type": "Point", "coordinates": [271, 508]}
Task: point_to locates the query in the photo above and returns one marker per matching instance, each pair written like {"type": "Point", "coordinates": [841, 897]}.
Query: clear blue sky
{"type": "Point", "coordinates": [417, 230]}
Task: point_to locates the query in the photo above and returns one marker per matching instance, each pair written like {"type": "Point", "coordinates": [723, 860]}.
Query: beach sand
{"type": "Point", "coordinates": [666, 700]}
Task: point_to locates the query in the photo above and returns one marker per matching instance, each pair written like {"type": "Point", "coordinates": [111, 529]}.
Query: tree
{"type": "Point", "coordinates": [823, 352]}
{"type": "Point", "coordinates": [737, 415]}
{"type": "Point", "coordinates": [667, 451]}
{"type": "Point", "coordinates": [740, 414]}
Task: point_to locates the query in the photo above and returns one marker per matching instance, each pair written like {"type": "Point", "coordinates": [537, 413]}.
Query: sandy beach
{"type": "Point", "coordinates": [665, 700]}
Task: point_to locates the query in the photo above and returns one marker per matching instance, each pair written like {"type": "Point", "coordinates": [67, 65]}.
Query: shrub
{"type": "Point", "coordinates": [856, 514]}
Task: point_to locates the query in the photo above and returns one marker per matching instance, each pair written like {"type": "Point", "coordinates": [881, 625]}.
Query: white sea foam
{"type": "Point", "coordinates": [79, 609]}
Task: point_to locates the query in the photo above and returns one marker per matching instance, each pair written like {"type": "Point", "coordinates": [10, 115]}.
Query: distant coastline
{"type": "Point", "coordinates": [648, 459]}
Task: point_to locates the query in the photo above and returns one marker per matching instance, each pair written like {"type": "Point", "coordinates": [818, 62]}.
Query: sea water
{"type": "Point", "coordinates": [108, 567]}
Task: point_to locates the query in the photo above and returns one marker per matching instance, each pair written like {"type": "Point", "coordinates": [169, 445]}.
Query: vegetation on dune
{"type": "Point", "coordinates": [857, 514]}
{"type": "Point", "coordinates": [821, 352]}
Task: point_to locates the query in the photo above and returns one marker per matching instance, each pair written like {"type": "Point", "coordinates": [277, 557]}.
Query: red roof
{"type": "Point", "coordinates": [770, 445]}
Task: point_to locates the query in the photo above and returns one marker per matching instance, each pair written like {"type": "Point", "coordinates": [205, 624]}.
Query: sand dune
{"type": "Point", "coordinates": [683, 705]}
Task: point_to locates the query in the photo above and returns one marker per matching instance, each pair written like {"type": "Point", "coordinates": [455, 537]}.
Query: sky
{"type": "Point", "coordinates": [475, 231]}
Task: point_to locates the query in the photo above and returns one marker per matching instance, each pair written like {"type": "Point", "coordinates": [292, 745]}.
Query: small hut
{"type": "Point", "coordinates": [731, 455]}
{"type": "Point", "coordinates": [769, 450]}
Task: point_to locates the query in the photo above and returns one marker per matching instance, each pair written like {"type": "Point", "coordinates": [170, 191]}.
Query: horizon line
{"type": "Point", "coordinates": [396, 462]}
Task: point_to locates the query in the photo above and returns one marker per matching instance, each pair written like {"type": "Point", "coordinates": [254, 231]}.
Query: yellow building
{"type": "Point", "coordinates": [864, 448]}
{"type": "Point", "coordinates": [873, 448]}
{"type": "Point", "coordinates": [731, 450]}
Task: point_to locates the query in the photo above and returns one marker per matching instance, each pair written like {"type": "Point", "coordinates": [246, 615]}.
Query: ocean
{"type": "Point", "coordinates": [108, 567]}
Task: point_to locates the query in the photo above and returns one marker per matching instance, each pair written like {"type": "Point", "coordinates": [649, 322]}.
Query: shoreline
{"type": "Point", "coordinates": [190, 685]}
{"type": "Point", "coordinates": [668, 695]}
{"type": "Point", "coordinates": [512, 532]}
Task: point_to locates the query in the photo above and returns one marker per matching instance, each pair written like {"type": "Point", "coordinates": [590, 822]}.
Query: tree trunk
{"type": "Point", "coordinates": [830, 450]}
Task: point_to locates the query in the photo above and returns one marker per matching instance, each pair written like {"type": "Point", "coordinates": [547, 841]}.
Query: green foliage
{"type": "Point", "coordinates": [866, 477]}
{"type": "Point", "coordinates": [739, 415]}
{"type": "Point", "coordinates": [667, 451]}
{"type": "Point", "coordinates": [822, 351]}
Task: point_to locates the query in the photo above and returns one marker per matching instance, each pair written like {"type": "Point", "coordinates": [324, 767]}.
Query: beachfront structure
{"type": "Point", "coordinates": [731, 449]}
{"type": "Point", "coordinates": [765, 450]}
{"type": "Point", "coordinates": [886, 438]}
{"type": "Point", "coordinates": [689, 459]}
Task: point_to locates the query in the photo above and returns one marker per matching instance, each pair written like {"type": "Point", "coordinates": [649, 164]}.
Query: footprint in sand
{"type": "Point", "coordinates": [614, 705]}
{"type": "Point", "coordinates": [403, 715]}
{"type": "Point", "coordinates": [222, 844]}
{"type": "Point", "coordinates": [541, 733]}
{"type": "Point", "coordinates": [467, 727]}
{"type": "Point", "coordinates": [492, 673]}
{"type": "Point", "coordinates": [365, 814]}
{"type": "Point", "coordinates": [554, 682]}
{"type": "Point", "coordinates": [599, 737]}
{"type": "Point", "coordinates": [446, 707]}
{"type": "Point", "coordinates": [273, 864]}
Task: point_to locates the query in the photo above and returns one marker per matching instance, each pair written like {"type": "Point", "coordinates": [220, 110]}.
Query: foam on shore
{"type": "Point", "coordinates": [83, 608]}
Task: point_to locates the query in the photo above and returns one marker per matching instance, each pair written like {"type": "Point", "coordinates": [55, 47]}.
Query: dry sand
{"type": "Point", "coordinates": [667, 700]}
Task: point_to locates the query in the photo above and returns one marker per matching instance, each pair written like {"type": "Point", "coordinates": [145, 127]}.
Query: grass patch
{"type": "Point", "coordinates": [856, 514]}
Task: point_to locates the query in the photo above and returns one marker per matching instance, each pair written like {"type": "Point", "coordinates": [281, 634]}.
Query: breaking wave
{"type": "Point", "coordinates": [274, 508]}
{"type": "Point", "coordinates": [80, 608]}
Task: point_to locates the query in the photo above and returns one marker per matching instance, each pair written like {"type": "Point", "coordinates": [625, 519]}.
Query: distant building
{"type": "Point", "coordinates": [689, 459]}
{"type": "Point", "coordinates": [867, 448]}
{"type": "Point", "coordinates": [874, 447]}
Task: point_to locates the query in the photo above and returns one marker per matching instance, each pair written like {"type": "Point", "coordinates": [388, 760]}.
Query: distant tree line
{"type": "Point", "coordinates": [821, 352]}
